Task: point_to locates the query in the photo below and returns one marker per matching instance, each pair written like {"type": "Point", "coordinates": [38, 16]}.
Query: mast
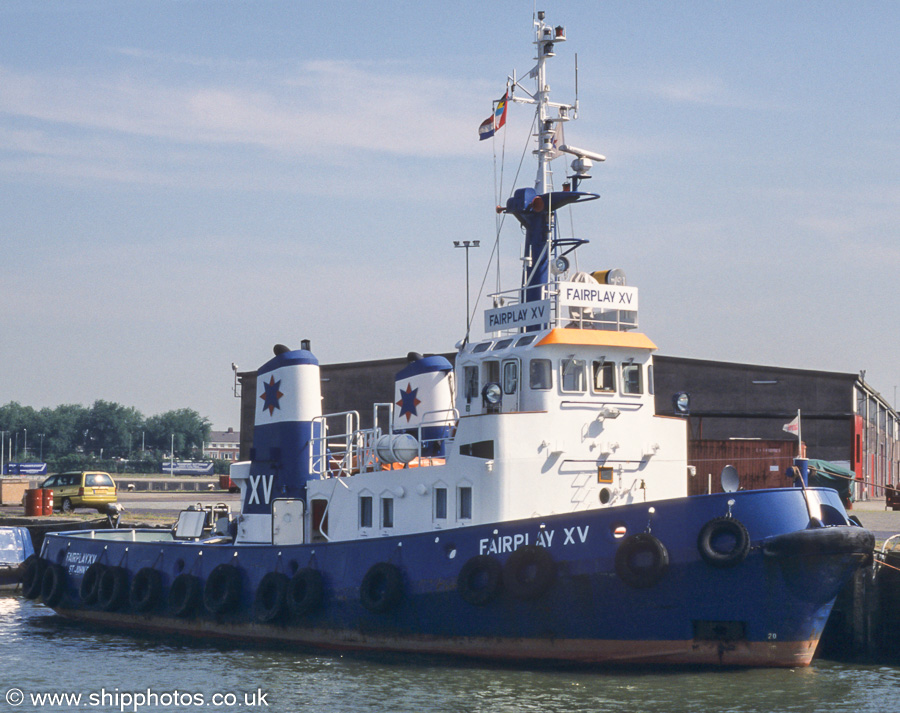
{"type": "Point", "coordinates": [535, 208]}
{"type": "Point", "coordinates": [545, 38]}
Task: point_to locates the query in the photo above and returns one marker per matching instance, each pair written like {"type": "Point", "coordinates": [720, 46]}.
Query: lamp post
{"type": "Point", "coordinates": [466, 244]}
{"type": "Point", "coordinates": [2, 444]}
{"type": "Point", "coordinates": [42, 447]}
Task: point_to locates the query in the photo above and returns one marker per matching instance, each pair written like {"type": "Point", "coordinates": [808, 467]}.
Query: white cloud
{"type": "Point", "coordinates": [324, 107]}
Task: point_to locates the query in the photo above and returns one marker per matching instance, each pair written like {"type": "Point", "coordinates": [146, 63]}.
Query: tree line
{"type": "Point", "coordinates": [70, 435]}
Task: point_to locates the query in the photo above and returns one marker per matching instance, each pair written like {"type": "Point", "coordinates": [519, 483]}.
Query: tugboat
{"type": "Point", "coordinates": [526, 503]}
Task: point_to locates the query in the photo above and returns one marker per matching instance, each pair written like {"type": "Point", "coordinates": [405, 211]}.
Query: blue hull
{"type": "Point", "coordinates": [767, 609]}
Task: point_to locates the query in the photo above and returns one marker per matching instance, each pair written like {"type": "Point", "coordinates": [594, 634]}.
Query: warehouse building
{"type": "Point", "coordinates": [737, 413]}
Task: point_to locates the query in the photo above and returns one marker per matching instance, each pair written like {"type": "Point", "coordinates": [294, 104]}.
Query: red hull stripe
{"type": "Point", "coordinates": [599, 651]}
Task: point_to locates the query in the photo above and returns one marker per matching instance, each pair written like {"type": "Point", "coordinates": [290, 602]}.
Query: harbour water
{"type": "Point", "coordinates": [41, 654]}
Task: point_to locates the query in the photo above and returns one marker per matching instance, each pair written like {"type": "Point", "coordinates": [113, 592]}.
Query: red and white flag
{"type": "Point", "coordinates": [793, 426]}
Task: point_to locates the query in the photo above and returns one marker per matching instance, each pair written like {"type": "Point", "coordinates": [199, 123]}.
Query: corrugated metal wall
{"type": "Point", "coordinates": [760, 464]}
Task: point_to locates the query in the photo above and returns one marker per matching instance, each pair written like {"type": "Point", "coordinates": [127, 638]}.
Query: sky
{"type": "Point", "coordinates": [185, 184]}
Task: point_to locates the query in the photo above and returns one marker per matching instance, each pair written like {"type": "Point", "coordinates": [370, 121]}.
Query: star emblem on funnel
{"type": "Point", "coordinates": [271, 395]}
{"type": "Point", "coordinates": [408, 402]}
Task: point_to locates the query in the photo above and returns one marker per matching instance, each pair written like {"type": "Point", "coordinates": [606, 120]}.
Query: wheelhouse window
{"type": "Point", "coordinates": [632, 383]}
{"type": "Point", "coordinates": [387, 512]}
{"type": "Point", "coordinates": [470, 377]}
{"type": "Point", "coordinates": [510, 377]}
{"type": "Point", "coordinates": [604, 376]}
{"type": "Point", "coordinates": [492, 372]}
{"type": "Point", "coordinates": [365, 511]}
{"type": "Point", "coordinates": [465, 502]}
{"type": "Point", "coordinates": [540, 374]}
{"type": "Point", "coordinates": [440, 503]}
{"type": "Point", "coordinates": [572, 375]}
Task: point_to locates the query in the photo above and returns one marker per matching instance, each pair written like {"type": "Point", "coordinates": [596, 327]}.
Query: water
{"type": "Point", "coordinates": [42, 653]}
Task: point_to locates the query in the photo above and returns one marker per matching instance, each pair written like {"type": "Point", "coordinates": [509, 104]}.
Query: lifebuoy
{"type": "Point", "coordinates": [90, 583]}
{"type": "Point", "coordinates": [53, 584]}
{"type": "Point", "coordinates": [112, 591]}
{"type": "Point", "coordinates": [480, 579]}
{"type": "Point", "coordinates": [529, 572]}
{"type": "Point", "coordinates": [146, 590]}
{"type": "Point", "coordinates": [270, 601]}
{"type": "Point", "coordinates": [222, 591]}
{"type": "Point", "coordinates": [382, 587]}
{"type": "Point", "coordinates": [723, 542]}
{"type": "Point", "coordinates": [641, 560]}
{"type": "Point", "coordinates": [305, 592]}
{"type": "Point", "coordinates": [33, 576]}
{"type": "Point", "coordinates": [184, 595]}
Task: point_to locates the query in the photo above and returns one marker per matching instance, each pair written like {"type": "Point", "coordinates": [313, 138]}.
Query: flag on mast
{"type": "Point", "coordinates": [556, 141]}
{"type": "Point", "coordinates": [495, 120]}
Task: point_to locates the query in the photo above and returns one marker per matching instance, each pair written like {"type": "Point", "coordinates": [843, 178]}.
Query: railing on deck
{"type": "Point", "coordinates": [341, 448]}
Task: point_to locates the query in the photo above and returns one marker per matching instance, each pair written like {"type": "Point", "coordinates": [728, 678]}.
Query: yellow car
{"type": "Point", "coordinates": [90, 488]}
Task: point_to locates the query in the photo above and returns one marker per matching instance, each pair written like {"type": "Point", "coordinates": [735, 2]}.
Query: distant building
{"type": "Point", "coordinates": [223, 445]}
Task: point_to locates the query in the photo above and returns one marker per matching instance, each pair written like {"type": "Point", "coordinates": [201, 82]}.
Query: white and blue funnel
{"type": "Point", "coordinates": [424, 406]}
{"type": "Point", "coordinates": [285, 433]}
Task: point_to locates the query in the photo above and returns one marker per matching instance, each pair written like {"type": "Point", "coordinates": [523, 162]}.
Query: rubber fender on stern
{"type": "Point", "coordinates": [270, 601]}
{"type": "Point", "coordinates": [146, 590]}
{"type": "Point", "coordinates": [184, 595]}
{"type": "Point", "coordinates": [33, 576]}
{"type": "Point", "coordinates": [222, 591]}
{"type": "Point", "coordinates": [90, 583]}
{"type": "Point", "coordinates": [53, 584]}
{"type": "Point", "coordinates": [112, 590]}
{"type": "Point", "coordinates": [382, 587]}
{"type": "Point", "coordinates": [305, 592]}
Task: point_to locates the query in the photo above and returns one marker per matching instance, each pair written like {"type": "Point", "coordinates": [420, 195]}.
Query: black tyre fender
{"type": "Point", "coordinates": [270, 601]}
{"type": "Point", "coordinates": [90, 583]}
{"type": "Point", "coordinates": [641, 560]}
{"type": "Point", "coordinates": [305, 592]}
{"type": "Point", "coordinates": [33, 576]}
{"type": "Point", "coordinates": [222, 591]}
{"type": "Point", "coordinates": [112, 590]}
{"type": "Point", "coordinates": [145, 593]}
{"type": "Point", "coordinates": [729, 530]}
{"type": "Point", "coordinates": [529, 572]}
{"type": "Point", "coordinates": [53, 584]}
{"type": "Point", "coordinates": [184, 595]}
{"type": "Point", "coordinates": [480, 580]}
{"type": "Point", "coordinates": [382, 588]}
